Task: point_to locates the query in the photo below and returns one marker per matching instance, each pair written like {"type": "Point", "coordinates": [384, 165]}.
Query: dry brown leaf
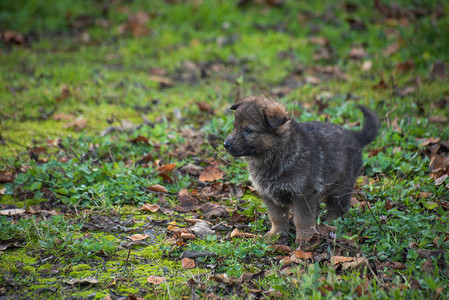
{"type": "Point", "coordinates": [341, 259]}
{"type": "Point", "coordinates": [236, 233]}
{"type": "Point", "coordinates": [162, 80]}
{"type": "Point", "coordinates": [136, 24]}
{"type": "Point", "coordinates": [156, 280]}
{"type": "Point", "coordinates": [438, 71]}
{"type": "Point", "coordinates": [65, 93]}
{"type": "Point", "coordinates": [357, 263]}
{"type": "Point", "coordinates": [194, 221]}
{"type": "Point", "coordinates": [211, 173]}
{"type": "Point", "coordinates": [77, 124]}
{"type": "Point", "coordinates": [150, 207]}
{"type": "Point", "coordinates": [187, 263]}
{"type": "Point", "coordinates": [165, 172]}
{"type": "Point", "coordinates": [157, 188]}
{"type": "Point", "coordinates": [6, 176]}
{"type": "Point", "coordinates": [138, 237]}
{"type": "Point", "coordinates": [391, 49]}
{"type": "Point", "coordinates": [284, 249]}
{"type": "Point", "coordinates": [438, 119]}
{"type": "Point", "coordinates": [213, 210]}
{"type": "Point", "coordinates": [87, 280]}
{"type": "Point", "coordinates": [381, 85]}
{"type": "Point", "coordinates": [166, 169]}
{"type": "Point", "coordinates": [10, 36]}
{"type": "Point", "coordinates": [187, 236]}
{"type": "Point", "coordinates": [319, 40]}
{"type": "Point", "coordinates": [141, 139]}
{"type": "Point", "coordinates": [12, 212]}
{"type": "Point", "coordinates": [205, 107]}
{"type": "Point", "coordinates": [303, 255]}
{"type": "Point", "coordinates": [357, 52]}
{"type": "Point", "coordinates": [367, 65]}
{"type": "Point", "coordinates": [313, 80]}
{"type": "Point", "coordinates": [63, 117]}
{"type": "Point", "coordinates": [405, 66]}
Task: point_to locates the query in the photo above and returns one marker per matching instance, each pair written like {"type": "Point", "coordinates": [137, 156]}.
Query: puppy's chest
{"type": "Point", "coordinates": [277, 188]}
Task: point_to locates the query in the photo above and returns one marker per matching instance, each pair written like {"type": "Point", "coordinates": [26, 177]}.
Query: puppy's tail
{"type": "Point", "coordinates": [370, 127]}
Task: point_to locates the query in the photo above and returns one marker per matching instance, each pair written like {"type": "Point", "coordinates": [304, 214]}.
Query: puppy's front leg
{"type": "Point", "coordinates": [304, 217]}
{"type": "Point", "coordinates": [278, 217]}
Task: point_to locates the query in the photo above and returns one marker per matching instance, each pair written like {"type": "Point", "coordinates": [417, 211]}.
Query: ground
{"type": "Point", "coordinates": [114, 182]}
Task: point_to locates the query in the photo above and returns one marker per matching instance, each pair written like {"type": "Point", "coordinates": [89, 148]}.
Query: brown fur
{"type": "Point", "coordinates": [298, 165]}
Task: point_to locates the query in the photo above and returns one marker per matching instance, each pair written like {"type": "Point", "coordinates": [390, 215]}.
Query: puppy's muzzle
{"type": "Point", "coordinates": [227, 144]}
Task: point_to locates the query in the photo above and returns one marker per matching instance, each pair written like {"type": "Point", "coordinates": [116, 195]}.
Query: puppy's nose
{"type": "Point", "coordinates": [227, 143]}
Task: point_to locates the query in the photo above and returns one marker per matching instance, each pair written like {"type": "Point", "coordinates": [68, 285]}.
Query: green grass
{"type": "Point", "coordinates": [213, 52]}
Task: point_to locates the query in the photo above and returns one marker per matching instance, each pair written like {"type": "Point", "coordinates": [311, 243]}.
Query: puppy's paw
{"type": "Point", "coordinates": [280, 237]}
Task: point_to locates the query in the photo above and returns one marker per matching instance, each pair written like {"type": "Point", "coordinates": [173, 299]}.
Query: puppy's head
{"type": "Point", "coordinates": [260, 124]}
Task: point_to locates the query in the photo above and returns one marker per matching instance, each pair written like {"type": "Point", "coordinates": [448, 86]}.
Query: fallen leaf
{"type": "Point", "coordinates": [65, 93]}
{"type": "Point", "coordinates": [236, 233]}
{"type": "Point", "coordinates": [162, 81]}
{"type": "Point", "coordinates": [87, 280]}
{"type": "Point", "coordinates": [211, 173]}
{"type": "Point", "coordinates": [283, 249]}
{"type": "Point", "coordinates": [10, 36]}
{"type": "Point", "coordinates": [319, 40]}
{"type": "Point", "coordinates": [63, 117]}
{"type": "Point", "coordinates": [194, 221]}
{"type": "Point", "coordinates": [157, 188]}
{"type": "Point", "coordinates": [303, 255]}
{"type": "Point", "coordinates": [165, 171]}
{"type": "Point", "coordinates": [202, 229]}
{"type": "Point", "coordinates": [77, 124]}
{"type": "Point", "coordinates": [192, 169]}
{"type": "Point", "coordinates": [136, 24]}
{"type": "Point", "coordinates": [340, 259]}
{"type": "Point", "coordinates": [12, 212]}
{"type": "Point", "coordinates": [367, 65]}
{"type": "Point", "coordinates": [406, 91]}
{"type": "Point", "coordinates": [358, 262]}
{"type": "Point", "coordinates": [196, 254]}
{"type": "Point", "coordinates": [141, 139]}
{"type": "Point", "coordinates": [438, 71]}
{"type": "Point", "coordinates": [405, 66]}
{"type": "Point", "coordinates": [239, 218]}
{"type": "Point", "coordinates": [313, 80]}
{"type": "Point", "coordinates": [150, 207]}
{"type": "Point", "coordinates": [156, 280]}
{"type": "Point", "coordinates": [356, 24]}
{"type": "Point", "coordinates": [6, 176]}
{"type": "Point", "coordinates": [357, 52]}
{"type": "Point", "coordinates": [213, 210]}
{"type": "Point", "coordinates": [438, 119]}
{"type": "Point", "coordinates": [138, 237]}
{"type": "Point", "coordinates": [391, 49]}
{"type": "Point", "coordinates": [187, 263]}
{"type": "Point", "coordinates": [430, 140]}
{"type": "Point", "coordinates": [381, 85]}
{"type": "Point", "coordinates": [205, 107]}
{"type": "Point", "coordinates": [187, 236]}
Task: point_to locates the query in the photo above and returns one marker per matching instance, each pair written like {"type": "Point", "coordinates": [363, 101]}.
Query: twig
{"type": "Point", "coordinates": [127, 258]}
{"type": "Point", "coordinates": [380, 226]}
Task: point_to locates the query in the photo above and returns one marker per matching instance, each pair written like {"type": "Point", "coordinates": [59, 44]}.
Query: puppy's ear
{"type": "Point", "coordinates": [276, 115]}
{"type": "Point", "coordinates": [234, 106]}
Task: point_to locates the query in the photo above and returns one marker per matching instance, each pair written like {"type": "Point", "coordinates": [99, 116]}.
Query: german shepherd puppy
{"type": "Point", "coordinates": [298, 165]}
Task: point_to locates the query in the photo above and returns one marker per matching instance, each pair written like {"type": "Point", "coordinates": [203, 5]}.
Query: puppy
{"type": "Point", "coordinates": [298, 165]}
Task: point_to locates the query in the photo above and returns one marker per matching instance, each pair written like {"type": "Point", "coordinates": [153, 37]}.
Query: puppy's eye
{"type": "Point", "coordinates": [248, 130]}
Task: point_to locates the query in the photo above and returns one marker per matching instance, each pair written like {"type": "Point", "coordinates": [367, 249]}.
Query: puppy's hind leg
{"type": "Point", "coordinates": [338, 204]}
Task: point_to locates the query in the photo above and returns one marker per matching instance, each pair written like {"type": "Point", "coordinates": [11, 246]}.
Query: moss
{"type": "Point", "coordinates": [81, 267]}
